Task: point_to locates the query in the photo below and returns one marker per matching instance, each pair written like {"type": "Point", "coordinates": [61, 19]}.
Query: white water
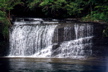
{"type": "Point", "coordinates": [75, 48]}
{"type": "Point", "coordinates": [27, 40]}
{"type": "Point", "coordinates": [76, 30]}
{"type": "Point", "coordinates": [37, 41]}
{"type": "Point", "coordinates": [24, 21]}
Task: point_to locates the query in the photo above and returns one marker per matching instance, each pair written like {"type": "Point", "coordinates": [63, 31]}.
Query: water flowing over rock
{"type": "Point", "coordinates": [43, 39]}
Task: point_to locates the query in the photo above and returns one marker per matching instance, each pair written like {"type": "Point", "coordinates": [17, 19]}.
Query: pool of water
{"type": "Point", "coordinates": [53, 65]}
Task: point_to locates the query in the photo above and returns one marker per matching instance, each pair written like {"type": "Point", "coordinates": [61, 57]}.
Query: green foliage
{"type": "Point", "coordinates": [5, 7]}
{"type": "Point", "coordinates": [96, 17]}
{"type": "Point", "coordinates": [56, 6]}
{"type": "Point", "coordinates": [73, 8]}
{"type": "Point", "coordinates": [97, 11]}
{"type": "Point", "coordinates": [2, 15]}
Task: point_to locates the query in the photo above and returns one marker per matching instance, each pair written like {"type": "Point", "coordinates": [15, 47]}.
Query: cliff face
{"type": "Point", "coordinates": [100, 42]}
{"type": "Point", "coordinates": [3, 43]}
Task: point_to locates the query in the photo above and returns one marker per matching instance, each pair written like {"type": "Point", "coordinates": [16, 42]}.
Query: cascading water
{"type": "Point", "coordinates": [80, 46]}
{"type": "Point", "coordinates": [51, 40]}
{"type": "Point", "coordinates": [25, 40]}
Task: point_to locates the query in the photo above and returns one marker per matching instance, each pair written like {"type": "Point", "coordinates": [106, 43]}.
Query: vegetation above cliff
{"type": "Point", "coordinates": [88, 10]}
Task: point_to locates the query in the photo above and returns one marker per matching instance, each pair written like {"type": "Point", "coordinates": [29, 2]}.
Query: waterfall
{"type": "Point", "coordinates": [26, 40]}
{"type": "Point", "coordinates": [76, 30]}
{"type": "Point", "coordinates": [54, 40]}
{"type": "Point", "coordinates": [80, 46]}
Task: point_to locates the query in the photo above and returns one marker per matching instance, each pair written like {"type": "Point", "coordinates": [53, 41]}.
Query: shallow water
{"type": "Point", "coordinates": [53, 65]}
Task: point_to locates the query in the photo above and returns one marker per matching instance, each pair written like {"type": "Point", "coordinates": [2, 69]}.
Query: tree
{"type": "Point", "coordinates": [5, 19]}
{"type": "Point", "coordinates": [57, 7]}
{"type": "Point", "coordinates": [98, 10]}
